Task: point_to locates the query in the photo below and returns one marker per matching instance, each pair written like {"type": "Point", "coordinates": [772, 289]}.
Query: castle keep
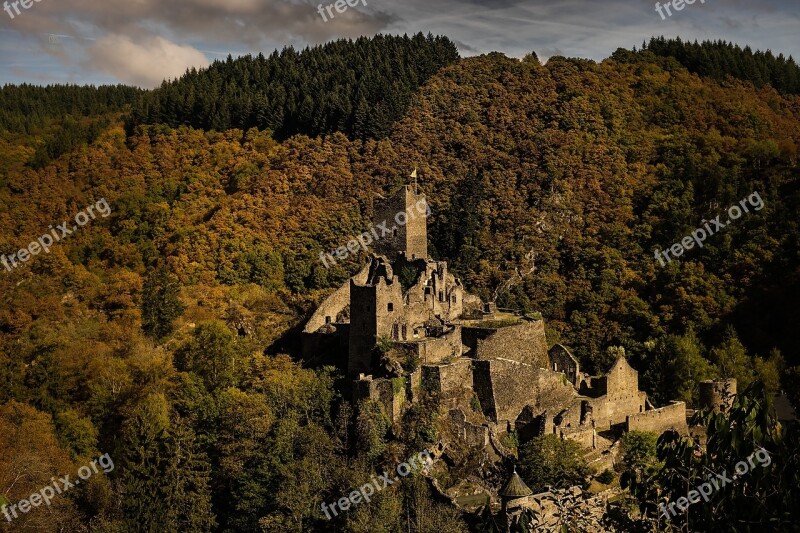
{"type": "Point", "coordinates": [406, 325]}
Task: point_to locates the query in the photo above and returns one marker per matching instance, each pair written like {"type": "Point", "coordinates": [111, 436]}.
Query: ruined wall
{"type": "Point", "coordinates": [607, 412]}
{"type": "Point", "coordinates": [524, 342]}
{"type": "Point", "coordinates": [622, 380]}
{"type": "Point", "coordinates": [561, 360]}
{"type": "Point", "coordinates": [390, 396]}
{"type": "Point", "coordinates": [434, 350]}
{"type": "Point", "coordinates": [335, 303]}
{"type": "Point", "coordinates": [450, 378]}
{"type": "Point", "coordinates": [623, 396]}
{"type": "Point", "coordinates": [470, 433]}
{"type": "Point", "coordinates": [513, 385]}
{"type": "Point", "coordinates": [585, 436]}
{"type": "Point", "coordinates": [672, 416]}
{"type": "Point", "coordinates": [571, 417]}
{"type": "Point", "coordinates": [471, 336]}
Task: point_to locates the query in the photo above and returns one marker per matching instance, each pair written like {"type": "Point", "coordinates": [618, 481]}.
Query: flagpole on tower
{"type": "Point", "coordinates": [414, 175]}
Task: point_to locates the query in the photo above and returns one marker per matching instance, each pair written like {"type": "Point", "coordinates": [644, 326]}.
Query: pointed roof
{"type": "Point", "coordinates": [515, 488]}
{"type": "Point", "coordinates": [621, 362]}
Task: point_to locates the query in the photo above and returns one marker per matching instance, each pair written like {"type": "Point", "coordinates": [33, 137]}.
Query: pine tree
{"type": "Point", "coordinates": [160, 303]}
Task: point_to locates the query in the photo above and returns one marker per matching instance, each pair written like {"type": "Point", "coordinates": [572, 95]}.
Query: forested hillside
{"type": "Point", "coordinates": [357, 87]}
{"type": "Point", "coordinates": [718, 59]}
{"type": "Point", "coordinates": [151, 334]}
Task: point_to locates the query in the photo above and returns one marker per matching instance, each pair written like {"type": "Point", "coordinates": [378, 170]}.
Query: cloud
{"type": "Point", "coordinates": [175, 32]}
{"type": "Point", "coordinates": [145, 63]}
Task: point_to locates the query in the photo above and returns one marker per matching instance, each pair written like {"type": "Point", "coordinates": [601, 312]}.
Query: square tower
{"type": "Point", "coordinates": [404, 215]}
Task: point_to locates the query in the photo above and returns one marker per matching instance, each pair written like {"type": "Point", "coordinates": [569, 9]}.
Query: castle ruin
{"type": "Point", "coordinates": [406, 326]}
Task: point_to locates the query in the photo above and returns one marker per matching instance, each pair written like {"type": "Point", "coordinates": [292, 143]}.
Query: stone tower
{"type": "Point", "coordinates": [717, 394]}
{"type": "Point", "coordinates": [374, 308]}
{"type": "Point", "coordinates": [404, 214]}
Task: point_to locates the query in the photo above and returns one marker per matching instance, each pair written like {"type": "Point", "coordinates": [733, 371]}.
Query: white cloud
{"type": "Point", "coordinates": [145, 63]}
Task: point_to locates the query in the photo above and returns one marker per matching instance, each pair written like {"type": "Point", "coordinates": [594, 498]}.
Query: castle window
{"type": "Point", "coordinates": [404, 332]}
{"type": "Point", "coordinates": [441, 296]}
{"type": "Point", "coordinates": [394, 232]}
{"type": "Point", "coordinates": [454, 299]}
{"type": "Point", "coordinates": [390, 307]}
{"type": "Point", "coordinates": [395, 332]}
{"type": "Point", "coordinates": [327, 320]}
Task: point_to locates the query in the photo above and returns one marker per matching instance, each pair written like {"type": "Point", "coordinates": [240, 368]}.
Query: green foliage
{"type": "Point", "coordinates": [27, 108]}
{"type": "Point", "coordinates": [718, 59]}
{"type": "Point", "coordinates": [764, 492]}
{"type": "Point", "coordinates": [411, 362]}
{"type": "Point", "coordinates": [398, 385]}
{"type": "Point", "coordinates": [408, 277]}
{"type": "Point", "coordinates": [165, 477]}
{"type": "Point", "coordinates": [769, 371]}
{"type": "Point", "coordinates": [357, 87]}
{"type": "Point", "coordinates": [372, 428]}
{"type": "Point", "coordinates": [549, 460]}
{"type": "Point", "coordinates": [475, 403]}
{"type": "Point", "coordinates": [510, 440]}
{"type": "Point", "coordinates": [497, 324]}
{"type": "Point", "coordinates": [213, 354]}
{"type": "Point", "coordinates": [675, 366]}
{"type": "Point", "coordinates": [639, 452]}
{"type": "Point", "coordinates": [160, 303]}
{"type": "Point", "coordinates": [732, 360]}
{"type": "Point", "coordinates": [606, 477]}
{"type": "Point", "coordinates": [384, 344]}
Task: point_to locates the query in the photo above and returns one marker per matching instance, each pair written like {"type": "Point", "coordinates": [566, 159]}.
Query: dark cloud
{"type": "Point", "coordinates": [139, 41]}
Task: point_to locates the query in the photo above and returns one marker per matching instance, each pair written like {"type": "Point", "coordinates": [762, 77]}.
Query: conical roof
{"type": "Point", "coordinates": [515, 488]}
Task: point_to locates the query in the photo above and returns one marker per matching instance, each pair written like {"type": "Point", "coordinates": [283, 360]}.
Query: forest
{"type": "Point", "coordinates": [162, 335]}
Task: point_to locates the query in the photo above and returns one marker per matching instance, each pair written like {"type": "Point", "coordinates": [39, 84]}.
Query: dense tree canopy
{"type": "Point", "coordinates": [156, 334]}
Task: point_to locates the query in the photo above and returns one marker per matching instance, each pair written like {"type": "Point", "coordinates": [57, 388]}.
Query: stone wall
{"type": "Point", "coordinates": [607, 411]}
{"type": "Point", "coordinates": [561, 360]}
{"type": "Point", "coordinates": [383, 391]}
{"type": "Point", "coordinates": [470, 433]}
{"type": "Point", "coordinates": [672, 416]}
{"type": "Point", "coordinates": [717, 394]}
{"type": "Point", "coordinates": [622, 380]}
{"type": "Point", "coordinates": [512, 385]}
{"type": "Point", "coordinates": [571, 417]}
{"type": "Point", "coordinates": [449, 378]}
{"type": "Point", "coordinates": [434, 350]}
{"type": "Point", "coordinates": [471, 336]}
{"type": "Point", "coordinates": [410, 237]}
{"type": "Point", "coordinates": [524, 342]}
{"type": "Point", "coordinates": [484, 388]}
{"type": "Point", "coordinates": [335, 303]}
{"type": "Point", "coordinates": [585, 436]}
{"type": "Point", "coordinates": [623, 397]}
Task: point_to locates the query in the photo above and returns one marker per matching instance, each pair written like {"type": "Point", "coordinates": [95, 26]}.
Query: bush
{"type": "Point", "coordinates": [606, 477]}
{"type": "Point", "coordinates": [548, 460]}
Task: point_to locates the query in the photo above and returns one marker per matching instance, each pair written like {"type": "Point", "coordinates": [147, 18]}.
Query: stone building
{"type": "Point", "coordinates": [401, 323]}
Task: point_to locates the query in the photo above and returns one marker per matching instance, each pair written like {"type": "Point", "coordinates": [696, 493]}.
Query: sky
{"type": "Point", "coordinates": [142, 42]}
